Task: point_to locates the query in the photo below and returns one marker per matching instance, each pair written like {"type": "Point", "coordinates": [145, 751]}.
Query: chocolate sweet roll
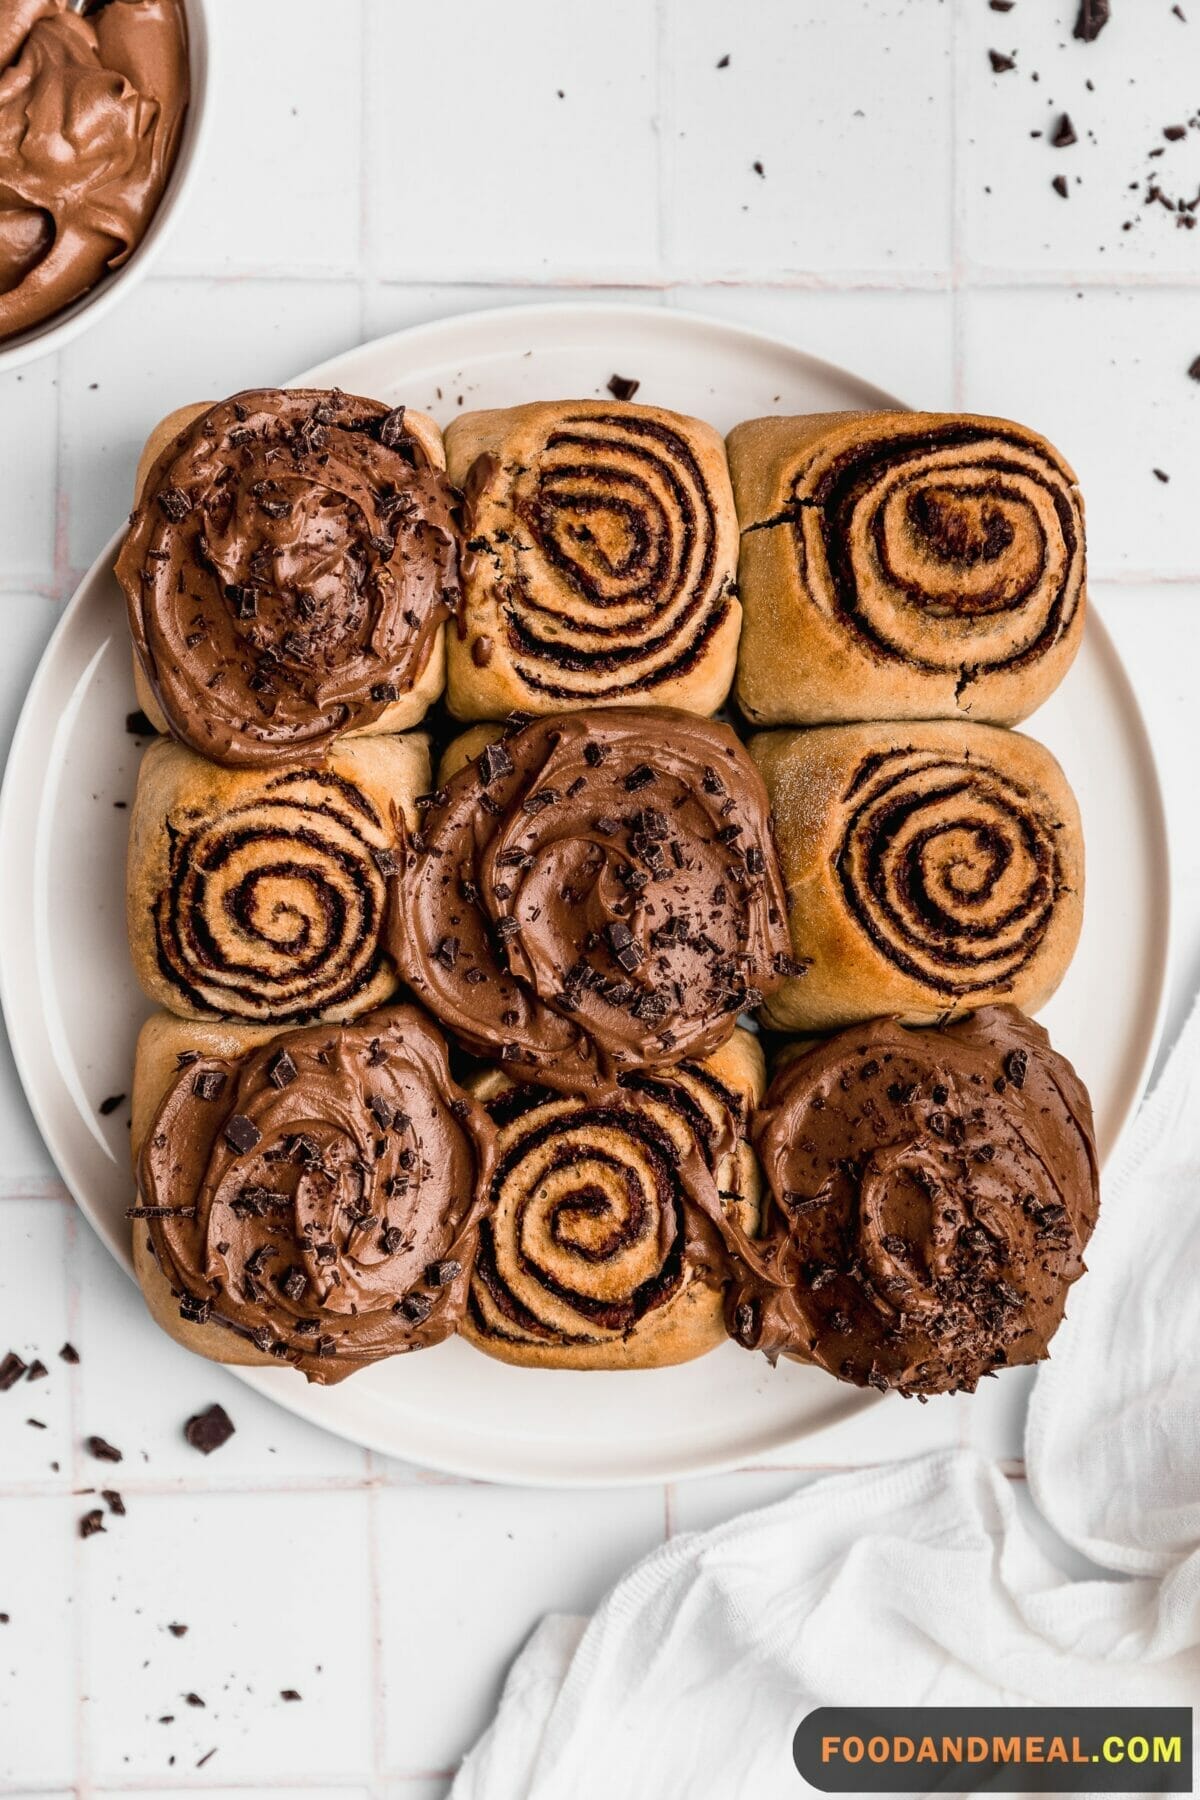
{"type": "Point", "coordinates": [92, 104]}
{"type": "Point", "coordinates": [309, 1197]}
{"type": "Point", "coordinates": [593, 893]}
{"type": "Point", "coordinates": [600, 563]}
{"type": "Point", "coordinates": [262, 894]}
{"type": "Point", "coordinates": [289, 568]}
{"type": "Point", "coordinates": [603, 1244]}
{"type": "Point", "coordinates": [930, 869]}
{"type": "Point", "coordinates": [904, 566]}
{"type": "Point", "coordinates": [928, 1199]}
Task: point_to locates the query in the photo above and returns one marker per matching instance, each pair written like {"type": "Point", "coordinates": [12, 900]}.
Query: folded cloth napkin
{"type": "Point", "coordinates": [917, 1583]}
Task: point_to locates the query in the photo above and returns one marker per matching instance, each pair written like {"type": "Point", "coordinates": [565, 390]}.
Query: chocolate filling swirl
{"type": "Point", "coordinates": [950, 866]}
{"type": "Point", "coordinates": [611, 582]}
{"type": "Point", "coordinates": [595, 891]}
{"type": "Point", "coordinates": [273, 907]}
{"type": "Point", "coordinates": [604, 1210]}
{"type": "Point", "coordinates": [320, 1195]}
{"type": "Point", "coordinates": [976, 529]}
{"type": "Point", "coordinates": [931, 1194]}
{"type": "Point", "coordinates": [287, 570]}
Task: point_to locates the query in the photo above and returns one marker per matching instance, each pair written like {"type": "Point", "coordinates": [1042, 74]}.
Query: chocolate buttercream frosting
{"type": "Point", "coordinates": [596, 891]}
{"type": "Point", "coordinates": [287, 569]}
{"type": "Point", "coordinates": [91, 111]}
{"type": "Point", "coordinates": [931, 1194]}
{"type": "Point", "coordinates": [320, 1196]}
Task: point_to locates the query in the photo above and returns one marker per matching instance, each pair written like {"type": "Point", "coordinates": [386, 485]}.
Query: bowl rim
{"type": "Point", "coordinates": [58, 330]}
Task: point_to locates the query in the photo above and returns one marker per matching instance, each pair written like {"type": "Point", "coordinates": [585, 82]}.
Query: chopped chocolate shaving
{"type": "Point", "coordinates": [175, 504]}
{"type": "Point", "coordinates": [1064, 133]}
{"type": "Point", "coordinates": [37, 1369]}
{"type": "Point", "coordinates": [242, 1134]}
{"type": "Point", "coordinates": [623, 387]}
{"type": "Point", "coordinates": [493, 762]}
{"type": "Point", "coordinates": [392, 429]}
{"type": "Point", "coordinates": [208, 1084]}
{"type": "Point", "coordinates": [281, 1070]}
{"type": "Point", "coordinates": [207, 1431]}
{"type": "Point", "coordinates": [1093, 16]}
{"type": "Point", "coordinates": [11, 1371]}
{"type": "Point", "coordinates": [1001, 64]}
{"type": "Point", "coordinates": [441, 1274]}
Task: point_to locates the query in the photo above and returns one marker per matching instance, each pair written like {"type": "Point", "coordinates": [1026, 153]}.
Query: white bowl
{"type": "Point", "coordinates": [54, 332]}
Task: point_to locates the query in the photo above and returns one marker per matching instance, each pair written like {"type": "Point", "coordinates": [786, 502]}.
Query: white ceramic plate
{"type": "Point", "coordinates": [73, 1007]}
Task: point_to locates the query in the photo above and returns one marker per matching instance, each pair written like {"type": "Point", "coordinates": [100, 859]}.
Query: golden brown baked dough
{"type": "Point", "coordinates": [422, 675]}
{"type": "Point", "coordinates": [929, 868]}
{"type": "Point", "coordinates": [928, 1198]}
{"type": "Point", "coordinates": [261, 894]}
{"type": "Point", "coordinates": [603, 1244]}
{"type": "Point", "coordinates": [904, 566]}
{"type": "Point", "coordinates": [310, 1197]}
{"type": "Point", "coordinates": [601, 560]}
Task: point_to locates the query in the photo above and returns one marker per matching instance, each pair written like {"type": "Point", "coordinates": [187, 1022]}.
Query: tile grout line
{"type": "Point", "coordinates": [79, 1573]}
{"type": "Point", "coordinates": [375, 1622]}
{"type": "Point", "coordinates": [364, 162]}
{"type": "Point", "coordinates": [663, 171]}
{"type": "Point", "coordinates": [957, 324]}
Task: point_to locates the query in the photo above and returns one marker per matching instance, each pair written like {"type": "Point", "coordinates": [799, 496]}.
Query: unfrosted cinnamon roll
{"type": "Point", "coordinates": [91, 113]}
{"type": "Point", "coordinates": [307, 1197]}
{"type": "Point", "coordinates": [603, 1244]}
{"type": "Point", "coordinates": [261, 894]}
{"type": "Point", "coordinates": [594, 892]}
{"type": "Point", "coordinates": [930, 869]}
{"type": "Point", "coordinates": [601, 560]}
{"type": "Point", "coordinates": [929, 1196]}
{"type": "Point", "coordinates": [288, 570]}
{"type": "Point", "coordinates": [904, 566]}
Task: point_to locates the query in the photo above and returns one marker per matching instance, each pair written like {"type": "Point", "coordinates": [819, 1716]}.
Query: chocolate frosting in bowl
{"type": "Point", "coordinates": [321, 1195]}
{"type": "Point", "coordinates": [596, 891]}
{"type": "Point", "coordinates": [931, 1196]}
{"type": "Point", "coordinates": [287, 569]}
{"type": "Point", "coordinates": [91, 112]}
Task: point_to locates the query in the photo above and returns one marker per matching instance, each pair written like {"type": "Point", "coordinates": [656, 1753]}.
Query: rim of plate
{"type": "Point", "coordinates": [314, 1404]}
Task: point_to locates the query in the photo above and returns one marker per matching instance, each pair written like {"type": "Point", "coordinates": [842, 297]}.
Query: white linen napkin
{"type": "Point", "coordinates": [917, 1583]}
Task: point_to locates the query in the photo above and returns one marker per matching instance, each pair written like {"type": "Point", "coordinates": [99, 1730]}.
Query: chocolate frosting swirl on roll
{"type": "Point", "coordinates": [595, 891]}
{"type": "Point", "coordinates": [950, 865]}
{"type": "Point", "coordinates": [605, 1208]}
{"type": "Point", "coordinates": [320, 1196]}
{"type": "Point", "coordinates": [287, 569]}
{"type": "Point", "coordinates": [611, 583]}
{"type": "Point", "coordinates": [274, 906]}
{"type": "Point", "coordinates": [973, 525]}
{"type": "Point", "coordinates": [931, 1194]}
{"type": "Point", "coordinates": [91, 110]}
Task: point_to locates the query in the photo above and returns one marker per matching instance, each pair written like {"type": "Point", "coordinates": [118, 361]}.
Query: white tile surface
{"type": "Point", "coordinates": [847, 109]}
{"type": "Point", "coordinates": [548, 168]}
{"type": "Point", "coordinates": [274, 1595]}
{"type": "Point", "coordinates": [375, 165]}
{"type": "Point", "coordinates": [486, 1563]}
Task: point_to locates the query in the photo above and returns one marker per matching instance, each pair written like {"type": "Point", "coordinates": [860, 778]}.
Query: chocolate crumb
{"type": "Point", "coordinates": [1001, 64]}
{"type": "Point", "coordinates": [177, 1630]}
{"type": "Point", "coordinates": [193, 1700]}
{"type": "Point", "coordinates": [288, 1694]}
{"type": "Point", "coordinates": [69, 1353]}
{"type": "Point", "coordinates": [110, 1105]}
{"type": "Point", "coordinates": [208, 1430]}
{"type": "Point", "coordinates": [1064, 133]}
{"type": "Point", "coordinates": [1059, 184]}
{"type": "Point", "coordinates": [1161, 475]}
{"type": "Point", "coordinates": [1092, 18]}
{"type": "Point", "coordinates": [115, 1503]}
{"type": "Point", "coordinates": [91, 1522]}
{"type": "Point", "coordinates": [623, 387]}
{"type": "Point", "coordinates": [37, 1369]}
{"type": "Point", "coordinates": [11, 1371]}
{"type": "Point", "coordinates": [759, 170]}
{"type": "Point", "coordinates": [102, 1450]}
{"type": "Point", "coordinates": [723, 63]}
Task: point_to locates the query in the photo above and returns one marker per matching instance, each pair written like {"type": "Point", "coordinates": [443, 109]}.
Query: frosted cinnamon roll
{"type": "Point", "coordinates": [592, 893]}
{"type": "Point", "coordinates": [309, 1197]}
{"type": "Point", "coordinates": [603, 1243]}
{"type": "Point", "coordinates": [930, 869]}
{"type": "Point", "coordinates": [904, 566]}
{"type": "Point", "coordinates": [91, 114]}
{"type": "Point", "coordinates": [928, 1199]}
{"type": "Point", "coordinates": [600, 564]}
{"type": "Point", "coordinates": [288, 570]}
{"type": "Point", "coordinates": [261, 894]}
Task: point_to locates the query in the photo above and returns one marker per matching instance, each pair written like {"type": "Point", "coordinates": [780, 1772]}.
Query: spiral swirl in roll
{"type": "Point", "coordinates": [319, 1196]}
{"type": "Point", "coordinates": [608, 541]}
{"type": "Point", "coordinates": [273, 906]}
{"type": "Point", "coordinates": [931, 1194]}
{"type": "Point", "coordinates": [595, 891]}
{"type": "Point", "coordinates": [948, 544]}
{"type": "Point", "coordinates": [603, 1243]}
{"type": "Point", "coordinates": [287, 570]}
{"type": "Point", "coordinates": [950, 866]}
